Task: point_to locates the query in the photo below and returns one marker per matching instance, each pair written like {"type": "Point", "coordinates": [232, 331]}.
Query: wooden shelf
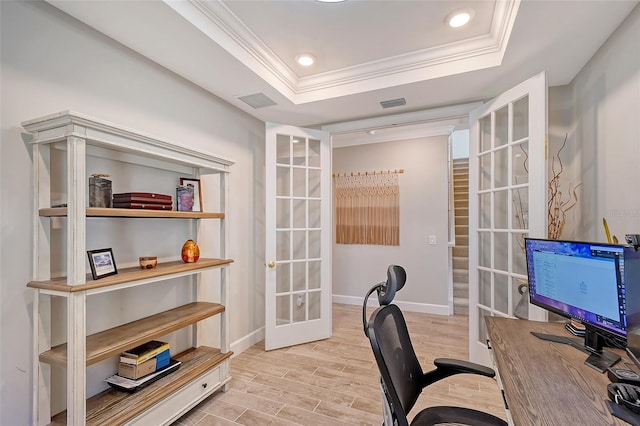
{"type": "Point", "coordinates": [109, 343]}
{"type": "Point", "coordinates": [109, 212]}
{"type": "Point", "coordinates": [128, 275]}
{"type": "Point", "coordinates": [116, 407]}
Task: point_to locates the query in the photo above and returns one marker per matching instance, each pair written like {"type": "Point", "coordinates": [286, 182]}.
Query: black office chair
{"type": "Point", "coordinates": [402, 378]}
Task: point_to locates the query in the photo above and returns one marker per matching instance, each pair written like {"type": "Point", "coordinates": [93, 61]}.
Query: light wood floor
{"type": "Point", "coordinates": [335, 381]}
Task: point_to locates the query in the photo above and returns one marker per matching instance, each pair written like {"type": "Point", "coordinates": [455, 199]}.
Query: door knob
{"type": "Point", "coordinates": [272, 264]}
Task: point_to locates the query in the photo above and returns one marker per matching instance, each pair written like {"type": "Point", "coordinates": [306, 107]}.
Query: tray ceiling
{"type": "Point", "coordinates": [367, 51]}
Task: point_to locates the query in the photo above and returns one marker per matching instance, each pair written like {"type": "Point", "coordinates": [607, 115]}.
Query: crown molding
{"type": "Point", "coordinates": [400, 135]}
{"type": "Point", "coordinates": [412, 125]}
{"type": "Point", "coordinates": [220, 24]}
{"type": "Point", "coordinates": [460, 111]}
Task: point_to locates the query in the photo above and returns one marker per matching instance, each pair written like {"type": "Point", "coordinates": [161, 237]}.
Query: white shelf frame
{"type": "Point", "coordinates": [80, 135]}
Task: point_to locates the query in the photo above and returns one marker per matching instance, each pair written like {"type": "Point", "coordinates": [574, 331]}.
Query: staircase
{"type": "Point", "coordinates": [461, 249]}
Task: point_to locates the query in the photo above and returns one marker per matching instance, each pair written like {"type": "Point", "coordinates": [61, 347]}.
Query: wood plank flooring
{"type": "Point", "coordinates": [335, 381]}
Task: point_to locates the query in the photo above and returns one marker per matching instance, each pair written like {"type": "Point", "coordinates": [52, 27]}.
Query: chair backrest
{"type": "Point", "coordinates": [396, 277]}
{"type": "Point", "coordinates": [400, 370]}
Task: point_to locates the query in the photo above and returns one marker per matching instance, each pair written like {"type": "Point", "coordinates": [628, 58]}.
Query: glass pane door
{"type": "Point", "coordinates": [298, 254]}
{"type": "Point", "coordinates": [298, 229]}
{"type": "Point", "coordinates": [507, 201]}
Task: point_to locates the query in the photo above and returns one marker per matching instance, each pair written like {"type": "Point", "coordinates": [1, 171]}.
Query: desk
{"type": "Point", "coordinates": [546, 383]}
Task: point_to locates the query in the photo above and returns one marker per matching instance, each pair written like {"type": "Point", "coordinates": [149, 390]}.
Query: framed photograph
{"type": "Point", "coordinates": [197, 192]}
{"type": "Point", "coordinates": [184, 198]}
{"type": "Point", "coordinates": [102, 263]}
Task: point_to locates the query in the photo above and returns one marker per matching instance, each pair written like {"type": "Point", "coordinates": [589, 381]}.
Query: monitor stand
{"type": "Point", "coordinates": [600, 362]}
{"type": "Point", "coordinates": [598, 359]}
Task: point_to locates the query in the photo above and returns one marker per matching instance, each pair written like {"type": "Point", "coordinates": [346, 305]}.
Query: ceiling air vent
{"type": "Point", "coordinates": [257, 100]}
{"type": "Point", "coordinates": [393, 103]}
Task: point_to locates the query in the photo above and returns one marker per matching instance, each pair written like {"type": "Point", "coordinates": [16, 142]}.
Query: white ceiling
{"type": "Point", "coordinates": [367, 51]}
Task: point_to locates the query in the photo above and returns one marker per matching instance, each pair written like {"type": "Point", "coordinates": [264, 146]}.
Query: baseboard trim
{"type": "Point", "coordinates": [247, 341]}
{"type": "Point", "coordinates": [256, 336]}
{"type": "Point", "coordinates": [424, 308]}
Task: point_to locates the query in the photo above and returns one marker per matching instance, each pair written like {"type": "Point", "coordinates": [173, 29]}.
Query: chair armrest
{"type": "Point", "coordinates": [446, 367]}
{"type": "Point", "coordinates": [458, 366]}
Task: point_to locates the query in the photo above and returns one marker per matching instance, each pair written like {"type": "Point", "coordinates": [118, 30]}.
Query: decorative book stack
{"type": "Point", "coordinates": [144, 359]}
{"type": "Point", "coordinates": [142, 200]}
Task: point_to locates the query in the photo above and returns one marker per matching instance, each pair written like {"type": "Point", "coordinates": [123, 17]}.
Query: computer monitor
{"type": "Point", "coordinates": [582, 281]}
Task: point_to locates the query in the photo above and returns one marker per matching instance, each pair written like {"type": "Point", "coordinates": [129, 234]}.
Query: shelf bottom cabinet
{"type": "Point", "coordinates": [203, 371]}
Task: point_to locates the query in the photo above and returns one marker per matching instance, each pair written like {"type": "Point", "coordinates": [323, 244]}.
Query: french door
{"type": "Point", "coordinates": [298, 236]}
{"type": "Point", "coordinates": [507, 202]}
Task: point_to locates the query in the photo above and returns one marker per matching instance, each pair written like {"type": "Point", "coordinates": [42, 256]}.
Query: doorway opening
{"type": "Point", "coordinates": [438, 232]}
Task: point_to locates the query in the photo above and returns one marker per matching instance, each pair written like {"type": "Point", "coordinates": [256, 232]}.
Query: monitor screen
{"type": "Point", "coordinates": [579, 280]}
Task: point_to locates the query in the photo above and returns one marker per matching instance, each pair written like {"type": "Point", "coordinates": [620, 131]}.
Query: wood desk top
{"type": "Point", "coordinates": [547, 383]}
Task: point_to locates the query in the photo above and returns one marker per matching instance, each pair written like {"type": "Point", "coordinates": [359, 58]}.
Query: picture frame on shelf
{"type": "Point", "coordinates": [102, 263]}
{"type": "Point", "coordinates": [184, 198]}
{"type": "Point", "coordinates": [197, 192]}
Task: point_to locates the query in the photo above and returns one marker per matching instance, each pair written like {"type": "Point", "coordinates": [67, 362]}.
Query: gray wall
{"type": "Point", "coordinates": [423, 212]}
{"type": "Point", "coordinates": [51, 63]}
{"type": "Point", "coordinates": [605, 99]}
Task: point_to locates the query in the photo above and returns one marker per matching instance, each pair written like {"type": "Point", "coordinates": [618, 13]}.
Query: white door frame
{"type": "Point", "coordinates": [536, 89]}
{"type": "Point", "coordinates": [294, 330]}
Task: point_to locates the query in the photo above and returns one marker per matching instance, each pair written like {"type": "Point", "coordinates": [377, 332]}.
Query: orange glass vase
{"type": "Point", "coordinates": [190, 252]}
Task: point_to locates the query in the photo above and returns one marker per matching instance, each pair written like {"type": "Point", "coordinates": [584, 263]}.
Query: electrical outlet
{"type": "Point", "coordinates": [299, 300]}
{"type": "Point", "coordinates": [432, 239]}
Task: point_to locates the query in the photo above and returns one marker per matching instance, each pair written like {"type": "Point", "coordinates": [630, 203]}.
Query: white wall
{"type": "Point", "coordinates": [50, 63]}
{"type": "Point", "coordinates": [606, 126]}
{"type": "Point", "coordinates": [460, 144]}
{"type": "Point", "coordinates": [423, 212]}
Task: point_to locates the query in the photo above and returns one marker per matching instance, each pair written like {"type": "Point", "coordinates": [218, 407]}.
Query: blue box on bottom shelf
{"type": "Point", "coordinates": [163, 359]}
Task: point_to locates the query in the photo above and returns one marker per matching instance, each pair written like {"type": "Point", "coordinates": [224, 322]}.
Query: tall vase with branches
{"type": "Point", "coordinates": [558, 205]}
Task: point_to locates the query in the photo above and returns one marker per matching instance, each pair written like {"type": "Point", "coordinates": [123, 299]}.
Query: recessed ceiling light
{"type": "Point", "coordinates": [459, 18]}
{"type": "Point", "coordinates": [305, 59]}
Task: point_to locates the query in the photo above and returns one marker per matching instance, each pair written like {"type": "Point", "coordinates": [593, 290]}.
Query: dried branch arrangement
{"type": "Point", "coordinates": [558, 203]}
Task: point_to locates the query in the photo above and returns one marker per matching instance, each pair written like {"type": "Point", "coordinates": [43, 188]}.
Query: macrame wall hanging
{"type": "Point", "coordinates": [368, 208]}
